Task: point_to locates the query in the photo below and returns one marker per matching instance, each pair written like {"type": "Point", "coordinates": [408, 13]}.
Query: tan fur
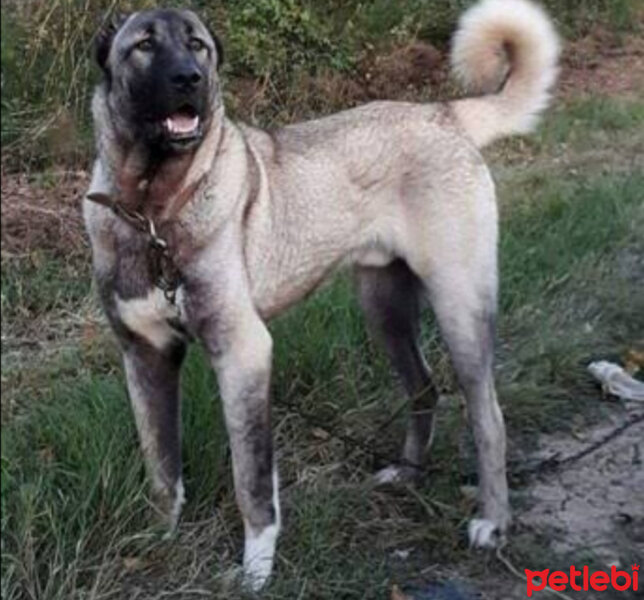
{"type": "Point", "coordinates": [496, 38]}
{"type": "Point", "coordinates": [257, 220]}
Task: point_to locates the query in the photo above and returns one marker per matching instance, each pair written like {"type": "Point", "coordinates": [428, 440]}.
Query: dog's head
{"type": "Point", "coordinates": [160, 69]}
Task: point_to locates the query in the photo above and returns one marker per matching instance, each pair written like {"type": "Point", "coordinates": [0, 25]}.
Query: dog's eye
{"type": "Point", "coordinates": [196, 45]}
{"type": "Point", "coordinates": [145, 45]}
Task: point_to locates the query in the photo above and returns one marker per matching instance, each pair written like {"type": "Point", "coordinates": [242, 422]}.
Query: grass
{"type": "Point", "coordinates": [38, 284]}
{"type": "Point", "coordinates": [75, 517]}
{"type": "Point", "coordinates": [598, 119]}
{"type": "Point", "coordinates": [564, 222]}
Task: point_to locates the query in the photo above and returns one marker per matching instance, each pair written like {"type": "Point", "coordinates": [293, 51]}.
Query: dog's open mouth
{"type": "Point", "coordinates": [182, 125]}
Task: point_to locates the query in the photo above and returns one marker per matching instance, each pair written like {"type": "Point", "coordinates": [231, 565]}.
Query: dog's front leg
{"type": "Point", "coordinates": [153, 386]}
{"type": "Point", "coordinates": [241, 356]}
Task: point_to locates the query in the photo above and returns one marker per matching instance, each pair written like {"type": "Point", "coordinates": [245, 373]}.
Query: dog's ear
{"type": "Point", "coordinates": [220, 50]}
{"type": "Point", "coordinates": [103, 42]}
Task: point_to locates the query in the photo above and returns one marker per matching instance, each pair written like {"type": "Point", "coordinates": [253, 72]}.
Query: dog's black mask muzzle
{"type": "Point", "coordinates": [171, 105]}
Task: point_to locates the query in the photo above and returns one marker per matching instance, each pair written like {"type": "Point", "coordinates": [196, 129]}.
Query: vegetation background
{"type": "Point", "coordinates": [284, 46]}
{"type": "Point", "coordinates": [75, 519]}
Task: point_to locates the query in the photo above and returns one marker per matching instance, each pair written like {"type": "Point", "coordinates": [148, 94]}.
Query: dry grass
{"type": "Point", "coordinates": [43, 214]}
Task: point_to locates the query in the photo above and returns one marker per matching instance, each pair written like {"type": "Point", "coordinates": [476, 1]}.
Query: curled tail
{"type": "Point", "coordinates": [508, 51]}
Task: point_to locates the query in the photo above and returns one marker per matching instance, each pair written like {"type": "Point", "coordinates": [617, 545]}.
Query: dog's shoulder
{"type": "Point", "coordinates": [98, 217]}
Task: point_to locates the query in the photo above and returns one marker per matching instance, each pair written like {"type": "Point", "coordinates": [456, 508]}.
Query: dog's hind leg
{"type": "Point", "coordinates": [390, 298]}
{"type": "Point", "coordinates": [457, 261]}
{"type": "Point", "coordinates": [466, 320]}
{"type": "Point", "coordinates": [153, 385]}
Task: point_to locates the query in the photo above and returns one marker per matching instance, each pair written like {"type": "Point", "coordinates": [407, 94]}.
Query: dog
{"type": "Point", "coordinates": [203, 229]}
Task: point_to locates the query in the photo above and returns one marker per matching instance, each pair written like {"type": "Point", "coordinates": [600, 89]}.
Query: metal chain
{"type": "Point", "coordinates": [355, 444]}
{"type": "Point", "coordinates": [165, 273]}
{"type": "Point", "coordinates": [547, 465]}
{"type": "Point", "coordinates": [553, 463]}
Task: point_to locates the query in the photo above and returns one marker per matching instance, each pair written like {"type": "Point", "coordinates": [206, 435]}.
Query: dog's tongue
{"type": "Point", "coordinates": [181, 123]}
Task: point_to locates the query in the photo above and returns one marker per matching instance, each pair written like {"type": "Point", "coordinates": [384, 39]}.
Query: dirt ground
{"type": "Point", "coordinates": [43, 216]}
{"type": "Point", "coordinates": [600, 63]}
{"type": "Point", "coordinates": [592, 505]}
{"type": "Point", "coordinates": [598, 501]}
{"type": "Point", "coordinates": [595, 504]}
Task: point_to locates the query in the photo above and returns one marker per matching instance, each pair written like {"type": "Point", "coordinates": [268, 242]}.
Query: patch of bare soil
{"type": "Point", "coordinates": [413, 72]}
{"type": "Point", "coordinates": [592, 508]}
{"type": "Point", "coordinates": [406, 69]}
{"type": "Point", "coordinates": [596, 504]}
{"type": "Point", "coordinates": [41, 220]}
{"type": "Point", "coordinates": [603, 63]}
{"type": "Point", "coordinates": [43, 216]}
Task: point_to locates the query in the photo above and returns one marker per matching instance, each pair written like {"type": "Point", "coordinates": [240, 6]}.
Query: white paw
{"type": "Point", "coordinates": [389, 475]}
{"type": "Point", "coordinates": [179, 499]}
{"type": "Point", "coordinates": [172, 511]}
{"type": "Point", "coordinates": [483, 533]}
{"type": "Point", "coordinates": [259, 552]}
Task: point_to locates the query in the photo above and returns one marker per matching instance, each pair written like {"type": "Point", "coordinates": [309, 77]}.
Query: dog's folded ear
{"type": "Point", "coordinates": [220, 50]}
{"type": "Point", "coordinates": [103, 41]}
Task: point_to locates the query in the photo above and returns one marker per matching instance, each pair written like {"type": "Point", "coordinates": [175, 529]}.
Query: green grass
{"type": "Point", "coordinates": [64, 492]}
{"type": "Point", "coordinates": [75, 517]}
{"type": "Point", "coordinates": [38, 284]}
{"type": "Point", "coordinates": [561, 223]}
{"type": "Point", "coordinates": [581, 121]}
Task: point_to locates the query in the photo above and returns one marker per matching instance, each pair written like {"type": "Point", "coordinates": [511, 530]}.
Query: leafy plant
{"type": "Point", "coordinates": [278, 37]}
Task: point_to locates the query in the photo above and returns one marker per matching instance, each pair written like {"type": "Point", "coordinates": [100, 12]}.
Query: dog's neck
{"type": "Point", "coordinates": [157, 186]}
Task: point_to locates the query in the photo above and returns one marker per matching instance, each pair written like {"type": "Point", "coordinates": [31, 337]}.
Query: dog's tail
{"type": "Point", "coordinates": [506, 50]}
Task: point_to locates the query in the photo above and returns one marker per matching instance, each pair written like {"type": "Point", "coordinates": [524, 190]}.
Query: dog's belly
{"type": "Point", "coordinates": [273, 297]}
{"type": "Point", "coordinates": [290, 285]}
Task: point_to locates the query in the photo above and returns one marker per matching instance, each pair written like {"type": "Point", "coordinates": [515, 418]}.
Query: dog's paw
{"type": "Point", "coordinates": [395, 475]}
{"type": "Point", "coordinates": [177, 503]}
{"type": "Point", "coordinates": [484, 533]}
{"type": "Point", "coordinates": [259, 552]}
{"type": "Point", "coordinates": [389, 475]}
{"type": "Point", "coordinates": [168, 504]}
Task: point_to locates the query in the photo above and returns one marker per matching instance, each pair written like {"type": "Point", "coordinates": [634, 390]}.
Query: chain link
{"type": "Point", "coordinates": [165, 273]}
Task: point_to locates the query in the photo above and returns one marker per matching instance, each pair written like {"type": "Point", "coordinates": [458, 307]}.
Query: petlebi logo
{"type": "Point", "coordinates": [583, 579]}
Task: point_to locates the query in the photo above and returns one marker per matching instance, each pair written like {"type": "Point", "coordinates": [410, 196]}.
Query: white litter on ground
{"type": "Point", "coordinates": [616, 381]}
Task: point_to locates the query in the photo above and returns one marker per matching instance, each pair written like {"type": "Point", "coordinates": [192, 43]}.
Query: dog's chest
{"type": "Point", "coordinates": [138, 303]}
{"type": "Point", "coordinates": [153, 317]}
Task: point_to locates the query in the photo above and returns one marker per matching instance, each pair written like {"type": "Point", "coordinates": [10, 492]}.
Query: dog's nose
{"type": "Point", "coordinates": [186, 77]}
